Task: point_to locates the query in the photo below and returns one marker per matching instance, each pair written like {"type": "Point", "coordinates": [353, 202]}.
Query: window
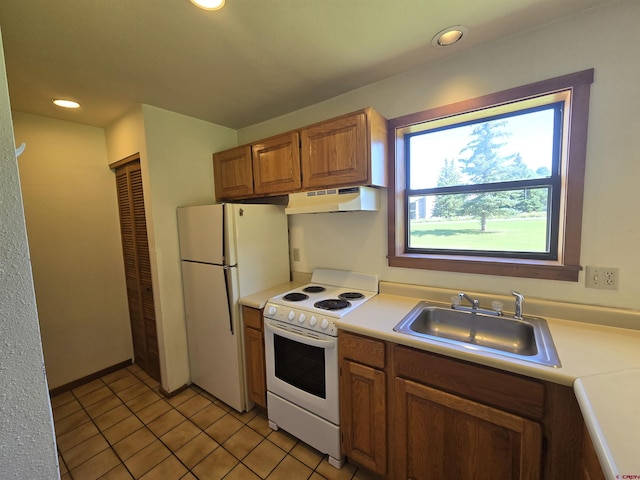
{"type": "Point", "coordinates": [493, 185]}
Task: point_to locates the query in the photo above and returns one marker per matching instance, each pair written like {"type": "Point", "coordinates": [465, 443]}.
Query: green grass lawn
{"type": "Point", "coordinates": [513, 234]}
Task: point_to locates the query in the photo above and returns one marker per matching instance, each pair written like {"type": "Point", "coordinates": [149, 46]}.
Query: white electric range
{"type": "Point", "coordinates": [301, 355]}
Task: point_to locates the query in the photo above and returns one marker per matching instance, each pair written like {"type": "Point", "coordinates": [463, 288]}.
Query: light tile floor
{"type": "Point", "coordinates": [121, 427]}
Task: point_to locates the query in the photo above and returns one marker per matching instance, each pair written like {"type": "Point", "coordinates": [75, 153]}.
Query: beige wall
{"type": "Point", "coordinates": [126, 137]}
{"type": "Point", "coordinates": [72, 220]}
{"type": "Point", "coordinates": [180, 173]}
{"type": "Point", "coordinates": [175, 153]}
{"type": "Point", "coordinates": [74, 239]}
{"type": "Point", "coordinates": [605, 39]}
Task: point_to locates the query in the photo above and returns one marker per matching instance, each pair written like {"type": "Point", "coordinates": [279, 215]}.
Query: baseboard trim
{"type": "Point", "coordinates": [89, 378]}
{"type": "Point", "coordinates": [174, 392]}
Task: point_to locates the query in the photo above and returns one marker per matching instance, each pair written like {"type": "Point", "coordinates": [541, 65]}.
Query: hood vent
{"type": "Point", "coordinates": [350, 199]}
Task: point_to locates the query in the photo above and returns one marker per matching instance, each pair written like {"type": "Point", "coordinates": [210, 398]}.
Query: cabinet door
{"type": "Point", "coordinates": [254, 356]}
{"type": "Point", "coordinates": [363, 415]}
{"type": "Point", "coordinates": [232, 173]}
{"type": "Point", "coordinates": [439, 435]}
{"type": "Point", "coordinates": [335, 153]}
{"type": "Point", "coordinates": [590, 468]}
{"type": "Point", "coordinates": [276, 165]}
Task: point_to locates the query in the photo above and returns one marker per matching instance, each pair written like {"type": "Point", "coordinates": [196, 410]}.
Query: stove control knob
{"type": "Point", "coordinates": [302, 318]}
{"type": "Point", "coordinates": [324, 324]}
{"type": "Point", "coordinates": [272, 310]}
{"type": "Point", "coordinates": [313, 321]}
{"type": "Point", "coordinates": [291, 315]}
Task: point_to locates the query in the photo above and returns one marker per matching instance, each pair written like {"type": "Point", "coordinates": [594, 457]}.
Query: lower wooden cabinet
{"type": "Point", "coordinates": [411, 414]}
{"type": "Point", "coordinates": [364, 432]}
{"type": "Point", "coordinates": [363, 401]}
{"type": "Point", "coordinates": [590, 468]}
{"type": "Point", "coordinates": [439, 435]}
{"type": "Point", "coordinates": [254, 356]}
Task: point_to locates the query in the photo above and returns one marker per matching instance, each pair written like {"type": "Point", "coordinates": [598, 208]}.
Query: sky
{"type": "Point", "coordinates": [531, 135]}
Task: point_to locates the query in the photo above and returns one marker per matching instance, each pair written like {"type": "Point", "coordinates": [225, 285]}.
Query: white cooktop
{"type": "Point", "coordinates": [328, 290]}
{"type": "Point", "coordinates": [331, 295]}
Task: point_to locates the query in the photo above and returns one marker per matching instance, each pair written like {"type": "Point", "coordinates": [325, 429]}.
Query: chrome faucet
{"type": "Point", "coordinates": [519, 302]}
{"type": "Point", "coordinates": [496, 307]}
{"type": "Point", "coordinates": [475, 304]}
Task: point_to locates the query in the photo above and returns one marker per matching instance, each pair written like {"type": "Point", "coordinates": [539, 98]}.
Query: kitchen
{"type": "Point", "coordinates": [593, 39]}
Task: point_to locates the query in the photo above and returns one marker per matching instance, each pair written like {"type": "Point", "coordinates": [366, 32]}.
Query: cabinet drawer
{"type": "Point", "coordinates": [252, 317]}
{"type": "Point", "coordinates": [368, 351]}
{"type": "Point", "coordinates": [507, 391]}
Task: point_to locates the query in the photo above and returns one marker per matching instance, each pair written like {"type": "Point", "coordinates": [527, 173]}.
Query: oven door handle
{"type": "Point", "coordinates": [314, 342]}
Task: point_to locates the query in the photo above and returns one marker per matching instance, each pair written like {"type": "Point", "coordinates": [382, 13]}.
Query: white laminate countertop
{"type": "Point", "coordinates": [602, 363]}
{"type": "Point", "coordinates": [259, 299]}
{"type": "Point", "coordinates": [611, 412]}
{"type": "Point", "coordinates": [584, 349]}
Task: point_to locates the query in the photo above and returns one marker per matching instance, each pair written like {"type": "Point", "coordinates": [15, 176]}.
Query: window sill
{"type": "Point", "coordinates": [547, 270]}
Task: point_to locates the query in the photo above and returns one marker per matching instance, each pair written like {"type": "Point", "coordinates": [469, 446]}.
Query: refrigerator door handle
{"type": "Point", "coordinates": [223, 229]}
{"type": "Point", "coordinates": [226, 286]}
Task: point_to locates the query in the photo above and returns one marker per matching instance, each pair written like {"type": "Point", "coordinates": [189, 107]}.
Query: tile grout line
{"type": "Point", "coordinates": [173, 407]}
{"type": "Point", "coordinates": [197, 391]}
{"type": "Point", "coordinates": [91, 419]}
{"type": "Point", "coordinates": [172, 453]}
{"type": "Point", "coordinates": [100, 431]}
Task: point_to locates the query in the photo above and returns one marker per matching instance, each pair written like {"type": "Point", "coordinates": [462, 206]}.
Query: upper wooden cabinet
{"type": "Point", "coordinates": [233, 173]}
{"type": "Point", "coordinates": [345, 151]}
{"type": "Point", "coordinates": [348, 150]}
{"type": "Point", "coordinates": [276, 164]}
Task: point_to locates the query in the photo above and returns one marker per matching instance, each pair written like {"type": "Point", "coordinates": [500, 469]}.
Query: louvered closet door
{"type": "Point", "coordinates": [137, 265]}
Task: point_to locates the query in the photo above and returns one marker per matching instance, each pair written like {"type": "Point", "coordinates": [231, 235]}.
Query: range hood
{"type": "Point", "coordinates": [347, 199]}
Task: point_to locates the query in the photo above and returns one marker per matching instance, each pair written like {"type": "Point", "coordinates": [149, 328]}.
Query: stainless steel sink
{"type": "Point", "coordinates": [528, 339]}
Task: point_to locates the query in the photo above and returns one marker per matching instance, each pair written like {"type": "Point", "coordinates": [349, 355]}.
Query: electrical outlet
{"type": "Point", "coordinates": [602, 277]}
{"type": "Point", "coordinates": [296, 254]}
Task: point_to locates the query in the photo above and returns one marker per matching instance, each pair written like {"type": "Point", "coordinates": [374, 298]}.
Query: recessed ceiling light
{"type": "Point", "coordinates": [60, 102]}
{"type": "Point", "coordinates": [449, 36]}
{"type": "Point", "coordinates": [209, 4]}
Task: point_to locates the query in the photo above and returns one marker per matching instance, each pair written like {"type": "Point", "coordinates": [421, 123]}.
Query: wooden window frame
{"type": "Point", "coordinates": [567, 266]}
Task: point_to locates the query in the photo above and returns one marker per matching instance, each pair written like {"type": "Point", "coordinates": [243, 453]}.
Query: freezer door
{"type": "Point", "coordinates": [214, 350]}
{"type": "Point", "coordinates": [259, 245]}
{"type": "Point", "coordinates": [201, 233]}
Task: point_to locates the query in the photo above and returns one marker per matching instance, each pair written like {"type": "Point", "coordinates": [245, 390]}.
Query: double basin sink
{"type": "Point", "coordinates": [527, 339]}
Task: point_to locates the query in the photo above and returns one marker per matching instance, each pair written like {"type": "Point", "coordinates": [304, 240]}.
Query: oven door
{"type": "Point", "coordinates": [302, 367]}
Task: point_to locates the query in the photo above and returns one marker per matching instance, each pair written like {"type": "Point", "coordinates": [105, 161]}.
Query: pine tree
{"type": "Point", "coordinates": [448, 205]}
{"type": "Point", "coordinates": [485, 164]}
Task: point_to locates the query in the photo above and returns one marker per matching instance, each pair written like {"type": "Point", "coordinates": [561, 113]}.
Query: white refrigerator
{"type": "Point", "coordinates": [227, 251]}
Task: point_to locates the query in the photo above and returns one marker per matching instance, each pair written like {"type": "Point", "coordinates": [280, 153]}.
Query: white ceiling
{"type": "Point", "coordinates": [251, 61]}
